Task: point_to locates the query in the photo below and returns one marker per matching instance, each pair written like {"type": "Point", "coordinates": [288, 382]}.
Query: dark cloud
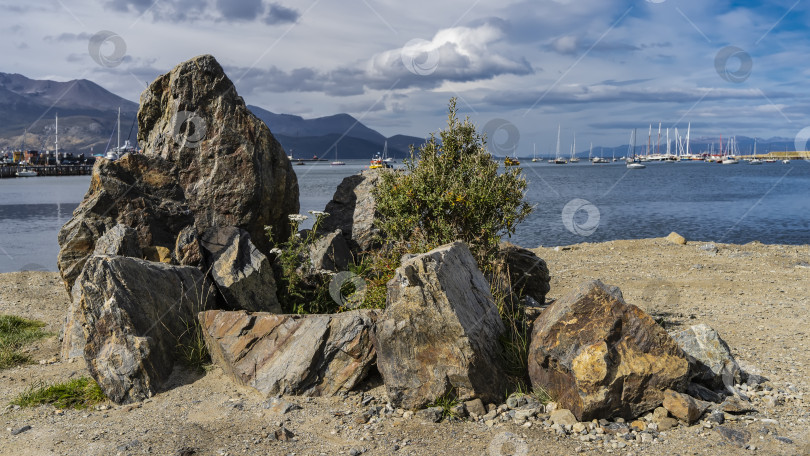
{"type": "Point", "coordinates": [65, 37]}
{"type": "Point", "coordinates": [243, 10]}
{"type": "Point", "coordinates": [215, 10]}
{"type": "Point", "coordinates": [611, 82]}
{"type": "Point", "coordinates": [278, 14]}
{"type": "Point", "coordinates": [610, 94]}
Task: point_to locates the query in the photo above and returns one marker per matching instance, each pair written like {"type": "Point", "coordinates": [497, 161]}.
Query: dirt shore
{"type": "Point", "coordinates": [755, 295]}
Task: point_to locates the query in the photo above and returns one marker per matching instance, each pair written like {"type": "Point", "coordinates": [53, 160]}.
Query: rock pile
{"type": "Point", "coordinates": [137, 255]}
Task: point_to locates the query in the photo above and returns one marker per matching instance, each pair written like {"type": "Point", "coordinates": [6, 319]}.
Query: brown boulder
{"type": "Point", "coordinates": [310, 355]}
{"type": "Point", "coordinates": [601, 357]}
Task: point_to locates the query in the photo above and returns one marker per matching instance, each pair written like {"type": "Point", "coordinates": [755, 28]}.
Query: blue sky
{"type": "Point", "coordinates": [597, 67]}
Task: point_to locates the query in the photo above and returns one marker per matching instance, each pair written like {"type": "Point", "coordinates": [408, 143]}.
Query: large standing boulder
{"type": "Point", "coordinates": [353, 210]}
{"type": "Point", "coordinates": [207, 161]}
{"type": "Point", "coordinates": [310, 355]}
{"type": "Point", "coordinates": [231, 168]}
{"type": "Point", "coordinates": [241, 272]}
{"type": "Point", "coordinates": [133, 314]}
{"type": "Point", "coordinates": [711, 361]}
{"type": "Point", "coordinates": [439, 332]}
{"type": "Point", "coordinates": [601, 357]}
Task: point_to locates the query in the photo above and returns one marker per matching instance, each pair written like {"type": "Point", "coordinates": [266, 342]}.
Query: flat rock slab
{"type": "Point", "coordinates": [601, 357]}
{"type": "Point", "coordinates": [308, 355]}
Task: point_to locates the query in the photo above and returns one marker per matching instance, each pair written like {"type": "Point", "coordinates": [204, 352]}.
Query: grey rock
{"type": "Point", "coordinates": [736, 405]}
{"type": "Point", "coordinates": [717, 417]}
{"type": "Point", "coordinates": [709, 247]}
{"type": "Point", "coordinates": [525, 414]}
{"type": "Point", "coordinates": [475, 407]}
{"type": "Point", "coordinates": [528, 274]}
{"type": "Point", "coordinates": [20, 430]}
{"type": "Point", "coordinates": [754, 379]}
{"type": "Point", "coordinates": [430, 414]}
{"type": "Point", "coordinates": [563, 417]}
{"type": "Point", "coordinates": [243, 275]}
{"type": "Point", "coordinates": [516, 400]}
{"type": "Point", "coordinates": [439, 332]}
{"type": "Point", "coordinates": [133, 314]}
{"type": "Point", "coordinates": [709, 357]}
{"type": "Point", "coordinates": [309, 355]}
{"type": "Point", "coordinates": [280, 406]}
{"type": "Point", "coordinates": [733, 436]}
{"type": "Point", "coordinates": [701, 392]}
{"type": "Point", "coordinates": [119, 240]}
{"type": "Point", "coordinates": [459, 410]}
{"type": "Point", "coordinates": [330, 252]}
{"type": "Point", "coordinates": [353, 210]}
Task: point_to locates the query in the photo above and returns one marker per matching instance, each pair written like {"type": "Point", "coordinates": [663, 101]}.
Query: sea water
{"type": "Point", "coordinates": [573, 203]}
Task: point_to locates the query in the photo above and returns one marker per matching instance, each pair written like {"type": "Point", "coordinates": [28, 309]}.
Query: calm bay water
{"type": "Point", "coordinates": [574, 203]}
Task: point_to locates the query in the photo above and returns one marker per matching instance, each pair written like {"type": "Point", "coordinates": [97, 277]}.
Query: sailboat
{"type": "Point", "coordinates": [559, 160]}
{"type": "Point", "coordinates": [755, 160]}
{"type": "Point", "coordinates": [729, 159]}
{"type": "Point", "coordinates": [596, 160]}
{"type": "Point", "coordinates": [337, 162]}
{"type": "Point", "coordinates": [574, 158]}
{"type": "Point", "coordinates": [534, 156]}
{"type": "Point", "coordinates": [385, 157]}
{"type": "Point", "coordinates": [631, 156]}
{"type": "Point", "coordinates": [120, 151]}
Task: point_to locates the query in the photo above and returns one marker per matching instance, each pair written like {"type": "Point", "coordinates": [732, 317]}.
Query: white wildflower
{"type": "Point", "coordinates": [297, 217]}
{"type": "Point", "coordinates": [319, 213]}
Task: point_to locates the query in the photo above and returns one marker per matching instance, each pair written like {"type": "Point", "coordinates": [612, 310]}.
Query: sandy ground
{"type": "Point", "coordinates": [755, 295]}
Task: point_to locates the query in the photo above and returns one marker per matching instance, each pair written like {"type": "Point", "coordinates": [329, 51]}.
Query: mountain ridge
{"type": "Point", "coordinates": [88, 116]}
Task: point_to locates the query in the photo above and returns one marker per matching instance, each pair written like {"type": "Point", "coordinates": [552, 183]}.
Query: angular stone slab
{"type": "Point", "coordinates": [308, 355]}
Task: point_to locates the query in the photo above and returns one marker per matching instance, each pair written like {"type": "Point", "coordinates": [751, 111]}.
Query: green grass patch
{"type": "Point", "coordinates": [78, 393]}
{"type": "Point", "coordinates": [15, 334]}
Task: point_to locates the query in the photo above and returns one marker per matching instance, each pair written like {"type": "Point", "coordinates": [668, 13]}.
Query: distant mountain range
{"type": "Point", "coordinates": [88, 113]}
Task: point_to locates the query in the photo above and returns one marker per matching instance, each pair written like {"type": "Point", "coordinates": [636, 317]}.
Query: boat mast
{"type": "Point", "coordinates": [658, 146]}
{"type": "Point", "coordinates": [688, 128]}
{"type": "Point", "coordinates": [56, 140]}
{"type": "Point", "coordinates": [649, 140]}
{"type": "Point", "coordinates": [558, 140]}
{"type": "Point", "coordinates": [574, 146]}
{"type": "Point", "coordinates": [119, 129]}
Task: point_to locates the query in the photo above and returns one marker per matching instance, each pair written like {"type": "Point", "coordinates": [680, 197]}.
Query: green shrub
{"type": "Point", "coordinates": [452, 191]}
{"type": "Point", "coordinates": [78, 393]}
{"type": "Point", "coordinates": [299, 291]}
{"type": "Point", "coordinates": [15, 333]}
